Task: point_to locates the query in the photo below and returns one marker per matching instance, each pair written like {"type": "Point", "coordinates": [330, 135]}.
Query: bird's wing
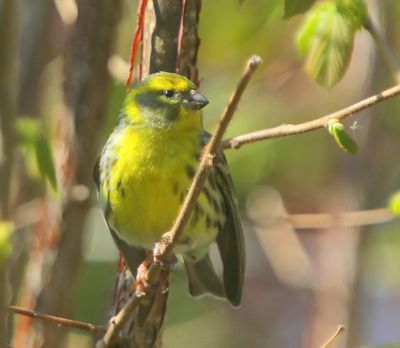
{"type": "Point", "coordinates": [230, 237]}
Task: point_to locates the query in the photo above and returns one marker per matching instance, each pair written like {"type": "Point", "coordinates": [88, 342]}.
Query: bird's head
{"type": "Point", "coordinates": [165, 100]}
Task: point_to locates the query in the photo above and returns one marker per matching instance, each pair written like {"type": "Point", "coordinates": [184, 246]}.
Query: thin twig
{"type": "Point", "coordinates": [116, 323]}
{"type": "Point", "coordinates": [384, 47]}
{"type": "Point", "coordinates": [56, 320]}
{"type": "Point", "coordinates": [318, 221]}
{"type": "Point", "coordinates": [290, 129]}
{"type": "Point", "coordinates": [166, 245]}
{"type": "Point", "coordinates": [332, 340]}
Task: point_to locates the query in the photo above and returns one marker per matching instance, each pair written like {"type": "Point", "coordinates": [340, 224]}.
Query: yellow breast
{"type": "Point", "coordinates": [149, 174]}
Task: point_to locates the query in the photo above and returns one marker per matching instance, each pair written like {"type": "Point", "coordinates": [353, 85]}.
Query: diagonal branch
{"type": "Point", "coordinates": [322, 122]}
{"type": "Point", "coordinates": [169, 239]}
{"type": "Point", "coordinates": [166, 245]}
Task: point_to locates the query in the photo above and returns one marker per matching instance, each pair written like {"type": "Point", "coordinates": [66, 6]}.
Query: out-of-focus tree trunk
{"type": "Point", "coordinates": [170, 43]}
{"type": "Point", "coordinates": [380, 172]}
{"type": "Point", "coordinates": [87, 88]}
{"type": "Point", "coordinates": [9, 19]}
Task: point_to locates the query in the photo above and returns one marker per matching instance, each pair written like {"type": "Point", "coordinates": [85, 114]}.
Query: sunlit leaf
{"type": "Point", "coordinates": [341, 137]}
{"type": "Point", "coordinates": [326, 38]}
{"type": "Point", "coordinates": [309, 29]}
{"type": "Point", "coordinates": [294, 7]}
{"type": "Point", "coordinates": [394, 203]}
{"type": "Point", "coordinates": [6, 229]}
{"type": "Point", "coordinates": [44, 157]}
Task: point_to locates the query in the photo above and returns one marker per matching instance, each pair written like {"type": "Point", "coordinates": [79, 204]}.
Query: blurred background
{"type": "Point", "coordinates": [300, 284]}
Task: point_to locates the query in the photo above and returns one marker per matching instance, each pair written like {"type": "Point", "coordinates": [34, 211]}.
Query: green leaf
{"type": "Point", "coordinates": [294, 7]}
{"type": "Point", "coordinates": [44, 158]}
{"type": "Point", "coordinates": [341, 137]}
{"type": "Point", "coordinates": [6, 230]}
{"type": "Point", "coordinates": [326, 38]}
{"type": "Point", "coordinates": [394, 203]}
{"type": "Point", "coordinates": [27, 130]}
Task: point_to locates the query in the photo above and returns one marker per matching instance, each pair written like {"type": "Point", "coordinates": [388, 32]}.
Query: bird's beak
{"type": "Point", "coordinates": [196, 101]}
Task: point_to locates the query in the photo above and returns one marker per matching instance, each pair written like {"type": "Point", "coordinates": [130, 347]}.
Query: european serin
{"type": "Point", "coordinates": [143, 175]}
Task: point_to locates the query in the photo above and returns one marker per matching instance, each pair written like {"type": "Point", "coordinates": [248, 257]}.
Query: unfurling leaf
{"type": "Point", "coordinates": [294, 7]}
{"type": "Point", "coordinates": [6, 229]}
{"type": "Point", "coordinates": [44, 157]}
{"type": "Point", "coordinates": [394, 204]}
{"type": "Point", "coordinates": [326, 38]}
{"type": "Point", "coordinates": [342, 138]}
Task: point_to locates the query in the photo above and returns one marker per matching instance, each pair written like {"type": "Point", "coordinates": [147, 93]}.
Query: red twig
{"type": "Point", "coordinates": [180, 36]}
{"type": "Point", "coordinates": [136, 41]}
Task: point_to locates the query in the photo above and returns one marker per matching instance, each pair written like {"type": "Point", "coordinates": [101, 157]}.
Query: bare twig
{"type": "Point", "coordinates": [318, 221]}
{"type": "Point", "coordinates": [386, 50]}
{"type": "Point", "coordinates": [116, 323]}
{"type": "Point", "coordinates": [332, 340]}
{"type": "Point", "coordinates": [290, 129]}
{"type": "Point", "coordinates": [56, 320]}
{"type": "Point", "coordinates": [169, 239]}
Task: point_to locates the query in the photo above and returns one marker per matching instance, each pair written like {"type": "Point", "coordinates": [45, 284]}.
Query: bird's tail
{"type": "Point", "coordinates": [203, 278]}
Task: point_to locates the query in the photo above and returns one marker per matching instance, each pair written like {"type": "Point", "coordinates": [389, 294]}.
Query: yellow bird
{"type": "Point", "coordinates": [143, 175]}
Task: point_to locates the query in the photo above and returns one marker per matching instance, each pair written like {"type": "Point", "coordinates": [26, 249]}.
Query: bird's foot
{"type": "Point", "coordinates": [142, 284]}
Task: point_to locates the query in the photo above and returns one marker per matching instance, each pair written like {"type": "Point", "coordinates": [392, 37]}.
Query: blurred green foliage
{"type": "Point", "coordinates": [307, 169]}
{"type": "Point", "coordinates": [37, 150]}
{"type": "Point", "coordinates": [6, 230]}
{"type": "Point", "coordinates": [293, 7]}
{"type": "Point", "coordinates": [394, 203]}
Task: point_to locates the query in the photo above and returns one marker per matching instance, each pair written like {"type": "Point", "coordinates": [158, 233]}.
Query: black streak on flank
{"type": "Point", "coordinates": [108, 209]}
{"type": "Point", "coordinates": [190, 171]}
{"type": "Point", "coordinates": [175, 187]}
{"type": "Point", "coordinates": [208, 222]}
{"type": "Point", "coordinates": [198, 212]}
{"type": "Point", "coordinates": [120, 188]}
{"type": "Point", "coordinates": [213, 182]}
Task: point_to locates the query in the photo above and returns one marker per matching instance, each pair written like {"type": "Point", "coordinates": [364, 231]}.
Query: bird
{"type": "Point", "coordinates": [144, 172]}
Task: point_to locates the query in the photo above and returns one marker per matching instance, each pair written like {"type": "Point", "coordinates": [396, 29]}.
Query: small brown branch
{"type": "Point", "coordinates": [166, 245]}
{"type": "Point", "coordinates": [322, 122]}
{"type": "Point", "coordinates": [318, 221]}
{"type": "Point", "coordinates": [384, 47]}
{"type": "Point", "coordinates": [116, 323]}
{"type": "Point", "coordinates": [332, 340]}
{"type": "Point", "coordinates": [56, 320]}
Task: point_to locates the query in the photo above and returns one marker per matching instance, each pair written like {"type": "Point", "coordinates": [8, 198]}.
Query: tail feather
{"type": "Point", "coordinates": [203, 278]}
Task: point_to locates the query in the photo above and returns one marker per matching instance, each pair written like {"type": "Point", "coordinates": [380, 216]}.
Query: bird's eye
{"type": "Point", "coordinates": [169, 93]}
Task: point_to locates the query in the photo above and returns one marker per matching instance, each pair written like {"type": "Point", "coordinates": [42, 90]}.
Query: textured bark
{"type": "Point", "coordinates": [165, 35]}
{"type": "Point", "coordinates": [160, 52]}
{"type": "Point", "coordinates": [87, 87]}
